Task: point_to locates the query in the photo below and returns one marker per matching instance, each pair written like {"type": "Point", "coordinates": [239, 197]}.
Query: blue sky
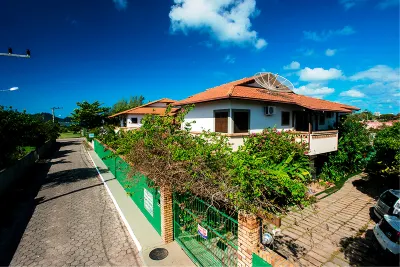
{"type": "Point", "coordinates": [340, 50]}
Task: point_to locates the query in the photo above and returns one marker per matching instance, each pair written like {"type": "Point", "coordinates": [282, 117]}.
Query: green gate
{"type": "Point", "coordinates": [207, 235]}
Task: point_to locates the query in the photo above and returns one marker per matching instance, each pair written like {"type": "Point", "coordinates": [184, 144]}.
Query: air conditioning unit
{"type": "Point", "coordinates": [269, 110]}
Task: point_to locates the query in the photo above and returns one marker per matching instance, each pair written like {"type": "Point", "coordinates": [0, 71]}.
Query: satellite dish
{"type": "Point", "coordinates": [273, 82]}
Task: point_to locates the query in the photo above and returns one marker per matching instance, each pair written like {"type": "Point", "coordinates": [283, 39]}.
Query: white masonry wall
{"type": "Point", "coordinates": [203, 115]}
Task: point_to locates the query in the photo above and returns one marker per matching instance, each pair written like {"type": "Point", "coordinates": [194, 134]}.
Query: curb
{"type": "Point", "coordinates": [135, 240]}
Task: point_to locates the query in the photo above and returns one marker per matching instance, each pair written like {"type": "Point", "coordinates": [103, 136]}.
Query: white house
{"type": "Point", "coordinates": [242, 107]}
{"type": "Point", "coordinates": [131, 118]}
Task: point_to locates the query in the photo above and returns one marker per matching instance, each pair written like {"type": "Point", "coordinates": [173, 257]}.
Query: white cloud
{"type": "Point", "coordinates": [230, 59]}
{"type": "Point", "coordinates": [292, 66]}
{"type": "Point", "coordinates": [347, 4]}
{"type": "Point", "coordinates": [387, 3]}
{"type": "Point", "coordinates": [319, 74]}
{"type": "Point", "coordinates": [325, 35]}
{"type": "Point", "coordinates": [380, 73]}
{"type": "Point", "coordinates": [330, 52]}
{"type": "Point", "coordinates": [314, 89]}
{"type": "Point", "coordinates": [352, 93]}
{"type": "Point", "coordinates": [121, 4]}
{"type": "Point", "coordinates": [228, 21]}
{"type": "Point", "coordinates": [261, 43]}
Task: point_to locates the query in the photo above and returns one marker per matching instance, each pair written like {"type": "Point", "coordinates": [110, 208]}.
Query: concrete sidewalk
{"type": "Point", "coordinates": [144, 235]}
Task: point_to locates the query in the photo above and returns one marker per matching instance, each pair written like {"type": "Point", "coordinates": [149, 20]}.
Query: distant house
{"type": "Point", "coordinates": [131, 118]}
{"type": "Point", "coordinates": [378, 124]}
{"type": "Point", "coordinates": [242, 107]}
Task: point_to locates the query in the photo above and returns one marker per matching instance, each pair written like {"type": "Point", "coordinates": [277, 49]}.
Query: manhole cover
{"type": "Point", "coordinates": [158, 254]}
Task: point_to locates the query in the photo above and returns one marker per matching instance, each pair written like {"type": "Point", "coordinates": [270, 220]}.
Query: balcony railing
{"type": "Point", "coordinates": [319, 142]}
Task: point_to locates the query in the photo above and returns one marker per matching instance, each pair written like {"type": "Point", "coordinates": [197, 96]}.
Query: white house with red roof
{"type": "Point", "coordinates": [242, 107]}
{"type": "Point", "coordinates": [131, 118]}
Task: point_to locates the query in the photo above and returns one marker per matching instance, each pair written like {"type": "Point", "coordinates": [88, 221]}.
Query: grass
{"type": "Point", "coordinates": [338, 185]}
{"type": "Point", "coordinates": [69, 135]}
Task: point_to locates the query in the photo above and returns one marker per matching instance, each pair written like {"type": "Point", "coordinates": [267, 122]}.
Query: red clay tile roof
{"type": "Point", "coordinates": [145, 109]}
{"type": "Point", "coordinates": [239, 90]}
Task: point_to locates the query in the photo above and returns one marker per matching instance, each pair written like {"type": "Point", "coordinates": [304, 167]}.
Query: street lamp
{"type": "Point", "coordinates": [11, 54]}
{"type": "Point", "coordinates": [11, 89]}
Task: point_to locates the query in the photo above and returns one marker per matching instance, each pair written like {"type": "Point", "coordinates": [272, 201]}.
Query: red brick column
{"type": "Point", "coordinates": [167, 226]}
{"type": "Point", "coordinates": [248, 238]}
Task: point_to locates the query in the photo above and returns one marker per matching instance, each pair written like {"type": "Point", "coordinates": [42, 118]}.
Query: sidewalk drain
{"type": "Point", "coordinates": [158, 254]}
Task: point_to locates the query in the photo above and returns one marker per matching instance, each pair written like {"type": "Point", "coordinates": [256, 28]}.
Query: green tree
{"type": "Point", "coordinates": [19, 130]}
{"type": "Point", "coordinates": [123, 104]}
{"type": "Point", "coordinates": [89, 115]}
{"type": "Point", "coordinates": [386, 161]}
{"type": "Point", "coordinates": [353, 150]}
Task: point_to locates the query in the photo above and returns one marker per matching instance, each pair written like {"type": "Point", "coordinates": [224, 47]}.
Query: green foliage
{"type": "Point", "coordinates": [273, 167]}
{"type": "Point", "coordinates": [89, 115]}
{"type": "Point", "coordinates": [19, 130]}
{"type": "Point", "coordinates": [353, 150]}
{"type": "Point", "coordinates": [123, 104]}
{"type": "Point", "coordinates": [266, 175]}
{"type": "Point", "coordinates": [386, 161]}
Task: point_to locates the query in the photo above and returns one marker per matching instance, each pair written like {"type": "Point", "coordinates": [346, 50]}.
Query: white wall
{"type": "Point", "coordinates": [158, 105]}
{"type": "Point", "coordinates": [323, 145]}
{"type": "Point", "coordinates": [259, 121]}
{"type": "Point", "coordinates": [203, 114]}
{"type": "Point", "coordinates": [135, 125]}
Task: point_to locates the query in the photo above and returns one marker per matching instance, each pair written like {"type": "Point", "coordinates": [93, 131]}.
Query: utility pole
{"type": "Point", "coordinates": [10, 53]}
{"type": "Point", "coordinates": [52, 111]}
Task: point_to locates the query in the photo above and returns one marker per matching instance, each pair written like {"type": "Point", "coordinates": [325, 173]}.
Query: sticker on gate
{"type": "Point", "coordinates": [202, 231]}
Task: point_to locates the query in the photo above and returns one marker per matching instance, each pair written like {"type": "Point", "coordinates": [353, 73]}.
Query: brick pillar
{"type": "Point", "coordinates": [248, 238]}
{"type": "Point", "coordinates": [167, 230]}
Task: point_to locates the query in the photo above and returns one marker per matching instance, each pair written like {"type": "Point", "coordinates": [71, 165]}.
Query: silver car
{"type": "Point", "coordinates": [387, 232]}
{"type": "Point", "coordinates": [388, 203]}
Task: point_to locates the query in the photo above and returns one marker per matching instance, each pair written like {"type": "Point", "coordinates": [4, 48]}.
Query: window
{"type": "Point", "coordinates": [321, 119]}
{"type": "Point", "coordinates": [285, 118]}
{"type": "Point", "coordinates": [329, 114]}
{"type": "Point", "coordinates": [133, 120]}
{"type": "Point", "coordinates": [221, 121]}
{"type": "Point", "coordinates": [241, 120]}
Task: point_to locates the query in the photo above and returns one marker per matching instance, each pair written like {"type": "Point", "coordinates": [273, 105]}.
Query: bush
{"type": "Point", "coordinates": [386, 161]}
{"type": "Point", "coordinates": [19, 130]}
{"type": "Point", "coordinates": [266, 175]}
{"type": "Point", "coordinates": [353, 151]}
{"type": "Point", "coordinates": [273, 167]}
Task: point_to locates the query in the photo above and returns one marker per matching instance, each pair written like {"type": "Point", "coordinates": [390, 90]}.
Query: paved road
{"type": "Point", "coordinates": [337, 231]}
{"type": "Point", "coordinates": [74, 221]}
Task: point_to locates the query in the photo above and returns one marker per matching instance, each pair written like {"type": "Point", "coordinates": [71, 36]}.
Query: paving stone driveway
{"type": "Point", "coordinates": [327, 233]}
{"type": "Point", "coordinates": [75, 221]}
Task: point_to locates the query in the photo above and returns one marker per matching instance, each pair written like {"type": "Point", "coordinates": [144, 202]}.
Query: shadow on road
{"type": "Point", "coordinates": [18, 205]}
{"type": "Point", "coordinates": [366, 251]}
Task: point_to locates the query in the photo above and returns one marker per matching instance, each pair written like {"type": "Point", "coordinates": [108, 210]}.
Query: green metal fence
{"type": "Point", "coordinates": [257, 261]}
{"type": "Point", "coordinates": [208, 235]}
{"type": "Point", "coordinates": [145, 197]}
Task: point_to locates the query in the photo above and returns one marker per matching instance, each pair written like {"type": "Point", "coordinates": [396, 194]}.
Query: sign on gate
{"type": "Point", "coordinates": [148, 201]}
{"type": "Point", "coordinates": [202, 231]}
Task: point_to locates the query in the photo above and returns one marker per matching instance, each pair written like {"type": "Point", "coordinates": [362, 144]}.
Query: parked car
{"type": "Point", "coordinates": [387, 232]}
{"type": "Point", "coordinates": [388, 203]}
